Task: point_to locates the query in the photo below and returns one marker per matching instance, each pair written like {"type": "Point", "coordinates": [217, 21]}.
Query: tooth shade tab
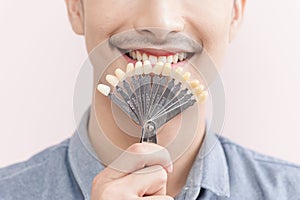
{"type": "Point", "coordinates": [179, 70]}
{"type": "Point", "coordinates": [119, 73]}
{"type": "Point", "coordinates": [103, 89]}
{"type": "Point", "coordinates": [139, 68]}
{"type": "Point", "coordinates": [167, 69]}
{"type": "Point", "coordinates": [112, 80]}
{"type": "Point", "coordinates": [198, 90]}
{"type": "Point", "coordinates": [203, 96]}
{"type": "Point", "coordinates": [178, 73]}
{"type": "Point", "coordinates": [129, 68]}
{"type": "Point", "coordinates": [158, 68]}
{"type": "Point", "coordinates": [186, 76]}
{"type": "Point", "coordinates": [173, 72]}
{"type": "Point", "coordinates": [194, 84]}
{"type": "Point", "coordinates": [147, 67]}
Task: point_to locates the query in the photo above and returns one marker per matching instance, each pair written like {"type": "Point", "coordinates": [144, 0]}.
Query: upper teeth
{"type": "Point", "coordinates": [173, 59]}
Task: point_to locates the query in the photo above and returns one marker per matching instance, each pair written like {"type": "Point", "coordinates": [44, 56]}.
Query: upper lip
{"type": "Point", "coordinates": [160, 50]}
{"type": "Point", "coordinates": [175, 43]}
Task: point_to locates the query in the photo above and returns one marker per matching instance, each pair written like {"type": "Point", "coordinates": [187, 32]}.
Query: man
{"type": "Point", "coordinates": [85, 167]}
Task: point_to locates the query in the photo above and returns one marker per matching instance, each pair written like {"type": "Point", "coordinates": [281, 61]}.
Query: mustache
{"type": "Point", "coordinates": [131, 40]}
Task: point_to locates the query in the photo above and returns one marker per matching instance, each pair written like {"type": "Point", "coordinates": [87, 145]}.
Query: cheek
{"type": "Point", "coordinates": [210, 24]}
{"type": "Point", "coordinates": [105, 18]}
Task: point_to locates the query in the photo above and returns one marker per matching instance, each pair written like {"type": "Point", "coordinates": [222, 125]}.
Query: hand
{"type": "Point", "coordinates": [139, 173]}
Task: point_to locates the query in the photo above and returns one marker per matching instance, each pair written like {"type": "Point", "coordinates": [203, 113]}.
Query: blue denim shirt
{"type": "Point", "coordinates": [222, 170]}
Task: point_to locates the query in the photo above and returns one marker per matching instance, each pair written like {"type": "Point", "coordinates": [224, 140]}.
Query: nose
{"type": "Point", "coordinates": [158, 18]}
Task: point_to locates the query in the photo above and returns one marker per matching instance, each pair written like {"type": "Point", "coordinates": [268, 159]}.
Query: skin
{"type": "Point", "coordinates": [214, 24]}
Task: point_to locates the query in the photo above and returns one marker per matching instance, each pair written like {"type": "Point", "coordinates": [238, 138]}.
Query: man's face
{"type": "Point", "coordinates": [157, 28]}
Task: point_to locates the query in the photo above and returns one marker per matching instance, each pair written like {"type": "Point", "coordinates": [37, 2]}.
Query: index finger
{"type": "Point", "coordinates": [136, 157]}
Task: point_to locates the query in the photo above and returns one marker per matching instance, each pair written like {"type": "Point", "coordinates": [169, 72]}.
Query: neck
{"type": "Point", "coordinates": [109, 147]}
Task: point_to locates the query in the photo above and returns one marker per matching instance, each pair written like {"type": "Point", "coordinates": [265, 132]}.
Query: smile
{"type": "Point", "coordinates": [155, 56]}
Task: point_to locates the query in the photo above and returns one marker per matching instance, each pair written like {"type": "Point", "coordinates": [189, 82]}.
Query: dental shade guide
{"type": "Point", "coordinates": [152, 96]}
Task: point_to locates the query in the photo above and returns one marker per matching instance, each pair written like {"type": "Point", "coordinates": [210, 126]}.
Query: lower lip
{"type": "Point", "coordinates": [179, 64]}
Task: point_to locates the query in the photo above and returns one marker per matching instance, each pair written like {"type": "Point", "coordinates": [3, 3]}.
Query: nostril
{"type": "Point", "coordinates": [144, 31]}
{"type": "Point", "coordinates": [159, 34]}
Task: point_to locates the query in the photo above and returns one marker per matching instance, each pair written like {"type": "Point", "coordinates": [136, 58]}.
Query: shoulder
{"type": "Point", "coordinates": [39, 160]}
{"type": "Point", "coordinates": [264, 174]}
{"type": "Point", "coordinates": [247, 154]}
{"type": "Point", "coordinates": [30, 178]}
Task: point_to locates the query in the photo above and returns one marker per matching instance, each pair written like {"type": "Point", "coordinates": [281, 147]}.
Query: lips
{"type": "Point", "coordinates": [155, 56]}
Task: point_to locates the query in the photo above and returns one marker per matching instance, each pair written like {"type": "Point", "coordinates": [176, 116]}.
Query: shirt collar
{"type": "Point", "coordinates": [82, 157]}
{"type": "Point", "coordinates": [215, 176]}
{"type": "Point", "coordinates": [209, 170]}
